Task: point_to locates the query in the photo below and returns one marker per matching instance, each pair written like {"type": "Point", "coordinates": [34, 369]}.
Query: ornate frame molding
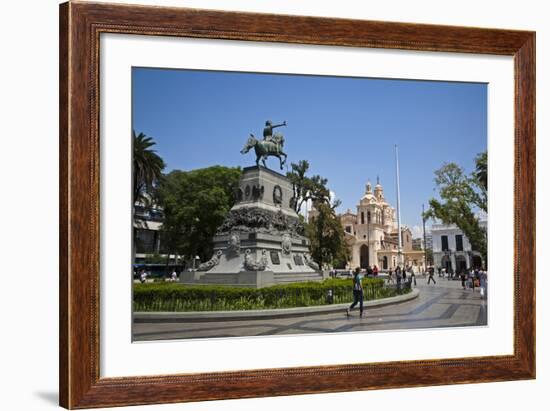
{"type": "Point", "coordinates": [80, 27]}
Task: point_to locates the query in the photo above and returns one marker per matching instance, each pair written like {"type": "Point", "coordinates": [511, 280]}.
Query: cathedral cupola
{"type": "Point", "coordinates": [378, 190]}
{"type": "Point", "coordinates": [369, 188]}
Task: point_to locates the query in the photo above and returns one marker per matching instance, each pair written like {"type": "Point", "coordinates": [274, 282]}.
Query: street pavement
{"type": "Point", "coordinates": [444, 304]}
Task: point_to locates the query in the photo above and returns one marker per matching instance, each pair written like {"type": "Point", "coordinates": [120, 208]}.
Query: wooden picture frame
{"type": "Point", "coordinates": [80, 27]}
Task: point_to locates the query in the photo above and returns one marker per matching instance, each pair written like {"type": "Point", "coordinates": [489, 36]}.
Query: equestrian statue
{"type": "Point", "coordinates": [271, 145]}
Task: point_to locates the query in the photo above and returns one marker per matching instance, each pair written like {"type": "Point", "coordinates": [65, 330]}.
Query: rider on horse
{"type": "Point", "coordinates": [271, 145]}
{"type": "Point", "coordinates": [268, 132]}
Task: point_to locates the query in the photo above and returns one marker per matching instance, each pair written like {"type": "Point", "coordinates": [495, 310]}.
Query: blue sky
{"type": "Point", "coordinates": [346, 127]}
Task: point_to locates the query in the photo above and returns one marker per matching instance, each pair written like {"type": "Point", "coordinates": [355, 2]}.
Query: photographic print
{"type": "Point", "coordinates": [273, 204]}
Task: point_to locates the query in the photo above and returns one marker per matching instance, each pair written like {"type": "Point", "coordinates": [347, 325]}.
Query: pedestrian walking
{"type": "Point", "coordinates": [477, 282]}
{"type": "Point", "coordinates": [483, 284]}
{"type": "Point", "coordinates": [369, 271]}
{"type": "Point", "coordinates": [413, 276]}
{"type": "Point", "coordinates": [357, 293]}
{"type": "Point", "coordinates": [431, 272]}
{"type": "Point", "coordinates": [143, 276]}
{"type": "Point", "coordinates": [390, 277]}
{"type": "Point", "coordinates": [398, 277]}
{"type": "Point", "coordinates": [463, 279]}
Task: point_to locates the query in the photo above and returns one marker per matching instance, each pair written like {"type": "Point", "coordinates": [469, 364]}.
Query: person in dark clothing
{"type": "Point", "coordinates": [431, 275]}
{"type": "Point", "coordinates": [398, 277]}
{"type": "Point", "coordinates": [463, 279]}
{"type": "Point", "coordinates": [357, 293]}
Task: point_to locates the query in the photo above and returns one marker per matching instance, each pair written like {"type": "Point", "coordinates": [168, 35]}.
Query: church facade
{"type": "Point", "coordinates": [371, 234]}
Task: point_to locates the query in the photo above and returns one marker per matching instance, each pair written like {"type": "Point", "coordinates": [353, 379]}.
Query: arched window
{"type": "Point", "coordinates": [368, 217]}
{"type": "Point", "coordinates": [362, 217]}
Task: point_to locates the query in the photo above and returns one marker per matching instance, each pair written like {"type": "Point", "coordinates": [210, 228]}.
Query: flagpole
{"type": "Point", "coordinates": [424, 236]}
{"type": "Point", "coordinates": [399, 239]}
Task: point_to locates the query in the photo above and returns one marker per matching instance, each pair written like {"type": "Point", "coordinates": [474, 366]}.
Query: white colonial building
{"type": "Point", "coordinates": [371, 234]}
{"type": "Point", "coordinates": [452, 250]}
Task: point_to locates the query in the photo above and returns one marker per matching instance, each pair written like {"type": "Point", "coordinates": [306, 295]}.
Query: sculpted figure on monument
{"type": "Point", "coordinates": [238, 194]}
{"type": "Point", "coordinates": [277, 195]}
{"type": "Point", "coordinates": [271, 145]}
{"type": "Point", "coordinates": [268, 130]}
{"type": "Point", "coordinates": [251, 264]}
{"type": "Point", "coordinates": [286, 244]}
{"type": "Point", "coordinates": [249, 219]}
{"type": "Point", "coordinates": [234, 244]}
{"type": "Point", "coordinates": [312, 264]}
{"type": "Point", "coordinates": [257, 192]}
{"type": "Point", "coordinates": [210, 263]}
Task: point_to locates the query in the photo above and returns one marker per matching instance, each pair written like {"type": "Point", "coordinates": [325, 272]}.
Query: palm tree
{"type": "Point", "coordinates": [148, 166]}
{"type": "Point", "coordinates": [480, 172]}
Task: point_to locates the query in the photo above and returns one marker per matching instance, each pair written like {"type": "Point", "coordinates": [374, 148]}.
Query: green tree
{"type": "Point", "coordinates": [308, 188]}
{"type": "Point", "coordinates": [462, 196]}
{"type": "Point", "coordinates": [326, 236]}
{"type": "Point", "coordinates": [147, 166]}
{"type": "Point", "coordinates": [195, 203]}
{"type": "Point", "coordinates": [297, 177]}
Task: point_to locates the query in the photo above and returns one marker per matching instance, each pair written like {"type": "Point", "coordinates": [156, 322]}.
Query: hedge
{"type": "Point", "coordinates": [172, 297]}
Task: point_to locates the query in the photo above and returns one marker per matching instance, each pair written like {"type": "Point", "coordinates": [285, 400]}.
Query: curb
{"type": "Point", "coordinates": [211, 316]}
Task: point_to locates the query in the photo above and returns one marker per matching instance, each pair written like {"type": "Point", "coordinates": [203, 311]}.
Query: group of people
{"type": "Point", "coordinates": [475, 278]}
{"type": "Point", "coordinates": [370, 271]}
{"type": "Point", "coordinates": [144, 274]}
{"type": "Point", "coordinates": [401, 275]}
{"type": "Point", "coordinates": [471, 279]}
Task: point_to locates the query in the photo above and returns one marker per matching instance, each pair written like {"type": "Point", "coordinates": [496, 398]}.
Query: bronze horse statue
{"type": "Point", "coordinates": [265, 148]}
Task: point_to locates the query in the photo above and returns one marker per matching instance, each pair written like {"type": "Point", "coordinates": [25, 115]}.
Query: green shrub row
{"type": "Point", "coordinates": [173, 297]}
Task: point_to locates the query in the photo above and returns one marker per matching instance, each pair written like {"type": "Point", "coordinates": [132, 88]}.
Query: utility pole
{"type": "Point", "coordinates": [400, 242]}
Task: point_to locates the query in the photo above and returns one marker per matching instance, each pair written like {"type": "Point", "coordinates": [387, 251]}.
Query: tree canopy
{"type": "Point", "coordinates": [195, 203]}
{"type": "Point", "coordinates": [326, 235]}
{"type": "Point", "coordinates": [462, 197]}
{"type": "Point", "coordinates": [306, 188]}
{"type": "Point", "coordinates": [324, 229]}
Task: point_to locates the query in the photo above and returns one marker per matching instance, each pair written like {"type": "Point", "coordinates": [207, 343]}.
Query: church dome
{"type": "Point", "coordinates": [368, 196]}
{"type": "Point", "coordinates": [378, 190]}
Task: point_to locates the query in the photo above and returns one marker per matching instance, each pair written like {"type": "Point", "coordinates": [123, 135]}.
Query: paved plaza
{"type": "Point", "coordinates": [444, 304]}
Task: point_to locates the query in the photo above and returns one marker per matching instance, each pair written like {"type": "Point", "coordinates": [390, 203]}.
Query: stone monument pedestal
{"type": "Point", "coordinates": [261, 241]}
